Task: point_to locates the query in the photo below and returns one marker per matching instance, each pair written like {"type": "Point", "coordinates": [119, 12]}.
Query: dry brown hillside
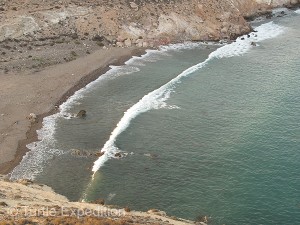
{"type": "Point", "coordinates": [141, 22]}
{"type": "Point", "coordinates": [42, 33]}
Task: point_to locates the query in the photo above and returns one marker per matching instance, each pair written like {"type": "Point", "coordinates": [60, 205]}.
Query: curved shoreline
{"type": "Point", "coordinates": [31, 134]}
{"type": "Point", "coordinates": [9, 157]}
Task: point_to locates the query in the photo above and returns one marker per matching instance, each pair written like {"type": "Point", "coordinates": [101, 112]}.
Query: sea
{"type": "Point", "coordinates": [193, 129]}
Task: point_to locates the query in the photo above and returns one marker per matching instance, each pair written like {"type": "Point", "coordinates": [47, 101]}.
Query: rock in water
{"type": "Point", "coordinates": [99, 154]}
{"type": "Point", "coordinates": [76, 152]}
{"type": "Point", "coordinates": [118, 155]}
{"type": "Point", "coordinates": [81, 114]}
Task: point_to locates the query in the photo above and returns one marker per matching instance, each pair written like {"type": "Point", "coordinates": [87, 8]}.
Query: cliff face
{"type": "Point", "coordinates": [24, 202]}
{"type": "Point", "coordinates": [141, 22]}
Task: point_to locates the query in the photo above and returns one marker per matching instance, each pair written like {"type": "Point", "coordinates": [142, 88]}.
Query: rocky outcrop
{"type": "Point", "coordinates": [81, 114]}
{"type": "Point", "coordinates": [25, 202]}
{"type": "Point", "coordinates": [131, 22]}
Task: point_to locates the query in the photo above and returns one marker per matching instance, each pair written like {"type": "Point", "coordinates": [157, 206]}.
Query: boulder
{"type": "Point", "coordinates": [97, 37]}
{"type": "Point", "coordinates": [121, 38]}
{"type": "Point", "coordinates": [118, 155]}
{"type": "Point", "coordinates": [134, 6]}
{"type": "Point", "coordinates": [81, 114]}
{"type": "Point", "coordinates": [32, 117]}
{"type": "Point", "coordinates": [128, 43]}
{"type": "Point", "coordinates": [224, 30]}
{"type": "Point", "coordinates": [76, 152]}
{"type": "Point", "coordinates": [120, 44]}
{"type": "Point", "coordinates": [99, 154]}
{"type": "Point", "coordinates": [139, 43]}
{"type": "Point", "coordinates": [145, 44]}
{"type": "Point", "coordinates": [253, 43]}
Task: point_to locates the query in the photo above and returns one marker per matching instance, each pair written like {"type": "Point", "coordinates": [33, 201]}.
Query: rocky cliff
{"type": "Point", "coordinates": [140, 22]}
{"type": "Point", "coordinates": [24, 202]}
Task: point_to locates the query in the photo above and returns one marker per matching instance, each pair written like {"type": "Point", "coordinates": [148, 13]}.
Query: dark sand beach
{"type": "Point", "coordinates": [40, 92]}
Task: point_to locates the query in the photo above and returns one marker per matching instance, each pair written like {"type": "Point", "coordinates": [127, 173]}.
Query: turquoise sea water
{"type": "Point", "coordinates": [221, 140]}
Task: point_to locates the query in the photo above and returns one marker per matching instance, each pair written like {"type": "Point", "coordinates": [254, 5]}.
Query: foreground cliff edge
{"type": "Point", "coordinates": [24, 202]}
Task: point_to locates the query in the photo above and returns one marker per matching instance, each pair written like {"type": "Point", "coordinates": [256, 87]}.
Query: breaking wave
{"type": "Point", "coordinates": [156, 99]}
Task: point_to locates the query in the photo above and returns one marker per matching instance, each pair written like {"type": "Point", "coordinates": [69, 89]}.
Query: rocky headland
{"type": "Point", "coordinates": [35, 34]}
{"type": "Point", "coordinates": [25, 202]}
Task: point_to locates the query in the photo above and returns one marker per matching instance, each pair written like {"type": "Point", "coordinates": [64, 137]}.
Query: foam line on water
{"type": "Point", "coordinates": [42, 151]}
{"type": "Point", "coordinates": [157, 98]}
{"type": "Point", "coordinates": [297, 11]}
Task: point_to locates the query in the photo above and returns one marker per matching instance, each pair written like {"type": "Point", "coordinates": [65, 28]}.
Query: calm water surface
{"type": "Point", "coordinates": [224, 143]}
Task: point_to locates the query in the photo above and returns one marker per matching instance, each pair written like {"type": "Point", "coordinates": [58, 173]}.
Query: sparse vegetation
{"type": "Point", "coordinates": [100, 44]}
{"type": "Point", "coordinates": [68, 221]}
{"type": "Point", "coordinates": [73, 53]}
{"type": "Point", "coordinates": [202, 218]}
{"type": "Point", "coordinates": [99, 201]}
{"type": "Point", "coordinates": [4, 204]}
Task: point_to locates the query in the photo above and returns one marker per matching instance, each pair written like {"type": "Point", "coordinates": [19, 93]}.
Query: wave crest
{"type": "Point", "coordinates": [156, 99]}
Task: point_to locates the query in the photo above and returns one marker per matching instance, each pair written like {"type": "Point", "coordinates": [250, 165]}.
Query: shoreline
{"type": "Point", "coordinates": [31, 134]}
{"type": "Point", "coordinates": [102, 68]}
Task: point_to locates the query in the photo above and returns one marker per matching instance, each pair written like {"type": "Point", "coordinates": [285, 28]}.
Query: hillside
{"type": "Point", "coordinates": [67, 29]}
{"type": "Point", "coordinates": [153, 21]}
{"type": "Point", "coordinates": [24, 202]}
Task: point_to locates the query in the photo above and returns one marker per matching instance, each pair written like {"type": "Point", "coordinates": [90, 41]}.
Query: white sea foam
{"type": "Point", "coordinates": [45, 149]}
{"type": "Point", "coordinates": [156, 99]}
{"type": "Point", "coordinates": [40, 152]}
{"type": "Point", "coordinates": [297, 11]}
{"type": "Point", "coordinates": [280, 10]}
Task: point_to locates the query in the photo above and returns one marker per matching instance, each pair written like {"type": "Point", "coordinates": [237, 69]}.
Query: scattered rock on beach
{"type": "Point", "coordinates": [32, 117]}
{"type": "Point", "coordinates": [128, 43]}
{"type": "Point", "coordinates": [253, 43]}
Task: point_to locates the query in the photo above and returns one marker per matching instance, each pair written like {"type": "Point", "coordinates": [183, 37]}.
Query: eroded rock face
{"type": "Point", "coordinates": [154, 21]}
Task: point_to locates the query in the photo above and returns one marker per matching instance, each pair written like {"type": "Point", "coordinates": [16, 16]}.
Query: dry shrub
{"type": "Point", "coordinates": [99, 201]}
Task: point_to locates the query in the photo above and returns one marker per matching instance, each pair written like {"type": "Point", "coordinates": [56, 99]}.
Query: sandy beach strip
{"type": "Point", "coordinates": [22, 93]}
